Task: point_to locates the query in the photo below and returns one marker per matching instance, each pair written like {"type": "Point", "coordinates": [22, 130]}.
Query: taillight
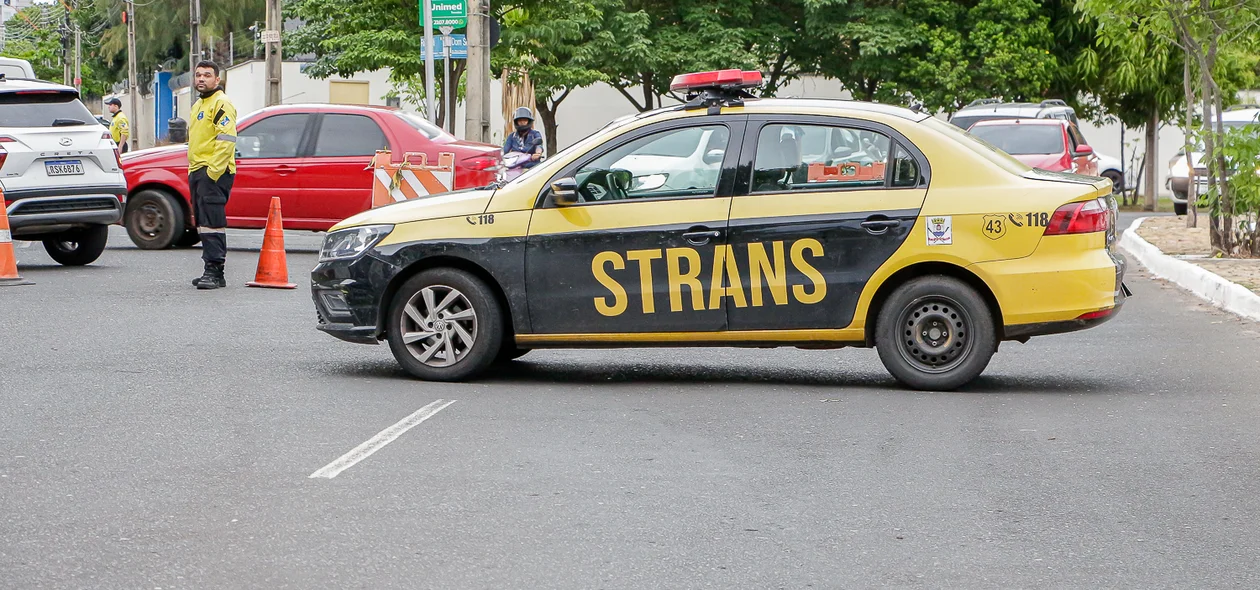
{"type": "Point", "coordinates": [1079, 218]}
{"type": "Point", "coordinates": [478, 163]}
{"type": "Point", "coordinates": [1093, 315]}
{"type": "Point", "coordinates": [117, 149]}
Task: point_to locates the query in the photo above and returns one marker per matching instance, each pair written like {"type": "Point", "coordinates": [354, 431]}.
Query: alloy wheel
{"type": "Point", "coordinates": [439, 325]}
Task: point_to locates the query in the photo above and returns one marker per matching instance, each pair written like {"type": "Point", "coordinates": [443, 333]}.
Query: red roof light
{"type": "Point", "coordinates": [719, 78]}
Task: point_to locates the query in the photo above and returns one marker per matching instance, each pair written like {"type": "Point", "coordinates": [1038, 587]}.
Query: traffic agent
{"type": "Point", "coordinates": [736, 221]}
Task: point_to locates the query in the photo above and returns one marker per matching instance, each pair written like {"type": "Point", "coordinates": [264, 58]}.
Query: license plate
{"type": "Point", "coordinates": [64, 167]}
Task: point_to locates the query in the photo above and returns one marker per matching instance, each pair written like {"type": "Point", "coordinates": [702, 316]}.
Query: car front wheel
{"type": "Point", "coordinates": [154, 220]}
{"type": "Point", "coordinates": [78, 247]}
{"type": "Point", "coordinates": [445, 325]}
{"type": "Point", "coordinates": [935, 333]}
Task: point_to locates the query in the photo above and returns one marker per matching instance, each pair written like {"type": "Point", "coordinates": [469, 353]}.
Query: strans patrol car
{"type": "Point", "coordinates": [735, 221]}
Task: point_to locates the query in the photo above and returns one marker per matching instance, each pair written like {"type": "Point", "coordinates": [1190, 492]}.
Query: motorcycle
{"type": "Point", "coordinates": [513, 165]}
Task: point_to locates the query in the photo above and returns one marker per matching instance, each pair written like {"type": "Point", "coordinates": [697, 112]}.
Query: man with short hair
{"type": "Point", "coordinates": [120, 127]}
{"type": "Point", "coordinates": [211, 169]}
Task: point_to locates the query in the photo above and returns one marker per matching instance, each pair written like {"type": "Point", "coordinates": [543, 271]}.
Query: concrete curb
{"type": "Point", "coordinates": [1224, 294]}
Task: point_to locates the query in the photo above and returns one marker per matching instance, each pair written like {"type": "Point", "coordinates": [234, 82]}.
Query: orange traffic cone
{"type": "Point", "coordinates": [273, 270]}
{"type": "Point", "coordinates": [8, 260]}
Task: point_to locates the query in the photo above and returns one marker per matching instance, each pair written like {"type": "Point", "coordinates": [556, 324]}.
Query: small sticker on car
{"type": "Point", "coordinates": [940, 230]}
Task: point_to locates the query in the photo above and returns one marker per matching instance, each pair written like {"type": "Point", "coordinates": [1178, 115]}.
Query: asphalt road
{"type": "Point", "coordinates": [154, 436]}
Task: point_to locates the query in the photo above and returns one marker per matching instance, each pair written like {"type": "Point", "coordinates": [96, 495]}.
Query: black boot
{"type": "Point", "coordinates": [213, 278]}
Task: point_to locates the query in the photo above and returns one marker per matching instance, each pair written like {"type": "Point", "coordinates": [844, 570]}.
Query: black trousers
{"type": "Point", "coordinates": [210, 199]}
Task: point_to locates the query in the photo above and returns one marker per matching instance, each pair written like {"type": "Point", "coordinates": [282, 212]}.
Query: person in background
{"type": "Point", "coordinates": [526, 140]}
{"type": "Point", "coordinates": [120, 128]}
{"type": "Point", "coordinates": [211, 169]}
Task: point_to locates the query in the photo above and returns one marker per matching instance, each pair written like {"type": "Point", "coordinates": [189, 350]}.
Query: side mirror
{"type": "Point", "coordinates": [564, 192]}
{"type": "Point", "coordinates": [714, 156]}
{"type": "Point", "coordinates": [1084, 150]}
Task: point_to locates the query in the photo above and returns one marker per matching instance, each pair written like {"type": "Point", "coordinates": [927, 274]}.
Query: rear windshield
{"type": "Point", "coordinates": [421, 124]}
{"type": "Point", "coordinates": [1019, 140]}
{"type": "Point", "coordinates": [979, 146]}
{"type": "Point", "coordinates": [13, 71]}
{"type": "Point", "coordinates": [42, 110]}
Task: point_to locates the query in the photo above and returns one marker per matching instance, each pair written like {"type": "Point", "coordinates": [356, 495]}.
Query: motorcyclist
{"type": "Point", "coordinates": [526, 139]}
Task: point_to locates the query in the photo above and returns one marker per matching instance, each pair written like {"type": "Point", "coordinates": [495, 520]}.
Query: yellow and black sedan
{"type": "Point", "coordinates": [736, 221]}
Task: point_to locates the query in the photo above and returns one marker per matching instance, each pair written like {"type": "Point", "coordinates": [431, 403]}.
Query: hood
{"type": "Point", "coordinates": [1053, 162]}
{"type": "Point", "coordinates": [453, 204]}
{"type": "Point", "coordinates": [156, 156]}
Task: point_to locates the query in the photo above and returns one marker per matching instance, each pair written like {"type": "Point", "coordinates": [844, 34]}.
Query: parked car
{"type": "Point", "coordinates": [989, 109]}
{"type": "Point", "coordinates": [16, 68]}
{"type": "Point", "coordinates": [1179, 169]}
{"type": "Point", "coordinates": [61, 173]}
{"type": "Point", "coordinates": [316, 158]}
{"type": "Point", "coordinates": [1048, 144]}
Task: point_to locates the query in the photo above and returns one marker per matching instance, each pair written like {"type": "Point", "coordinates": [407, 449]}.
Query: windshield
{"type": "Point", "coordinates": [1020, 140]}
{"type": "Point", "coordinates": [429, 130]}
{"type": "Point", "coordinates": [55, 109]}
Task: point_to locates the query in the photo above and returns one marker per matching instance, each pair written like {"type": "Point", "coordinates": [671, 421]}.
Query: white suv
{"type": "Point", "coordinates": [61, 173]}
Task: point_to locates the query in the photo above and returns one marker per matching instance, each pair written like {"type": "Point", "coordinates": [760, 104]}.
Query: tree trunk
{"type": "Point", "coordinates": [1229, 239]}
{"type": "Point", "coordinates": [1152, 156]}
{"type": "Point", "coordinates": [1206, 87]}
{"type": "Point", "coordinates": [1192, 190]}
{"type": "Point", "coordinates": [547, 110]}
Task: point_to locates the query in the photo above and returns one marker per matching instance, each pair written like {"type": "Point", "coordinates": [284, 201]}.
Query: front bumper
{"type": "Point", "coordinates": [349, 295]}
{"type": "Point", "coordinates": [35, 216]}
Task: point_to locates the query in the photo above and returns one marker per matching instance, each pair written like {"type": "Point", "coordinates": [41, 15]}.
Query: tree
{"type": "Point", "coordinates": [363, 36]}
{"type": "Point", "coordinates": [553, 41]}
{"type": "Point", "coordinates": [1135, 75]}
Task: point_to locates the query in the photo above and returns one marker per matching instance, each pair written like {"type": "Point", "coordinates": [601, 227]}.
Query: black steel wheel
{"type": "Point", "coordinates": [935, 333]}
{"type": "Point", "coordinates": [154, 220]}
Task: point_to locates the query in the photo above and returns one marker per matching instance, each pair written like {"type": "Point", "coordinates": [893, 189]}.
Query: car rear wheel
{"type": "Point", "coordinates": [1179, 208]}
{"type": "Point", "coordinates": [1117, 180]}
{"type": "Point", "coordinates": [935, 333]}
{"type": "Point", "coordinates": [78, 247]}
{"type": "Point", "coordinates": [154, 220]}
{"type": "Point", "coordinates": [445, 325]}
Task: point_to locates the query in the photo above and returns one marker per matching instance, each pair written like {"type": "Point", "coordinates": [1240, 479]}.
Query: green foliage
{"type": "Point", "coordinates": [1241, 149]}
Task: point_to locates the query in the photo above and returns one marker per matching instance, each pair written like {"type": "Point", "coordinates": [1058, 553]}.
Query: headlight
{"type": "Point", "coordinates": [1179, 167]}
{"type": "Point", "coordinates": [350, 243]}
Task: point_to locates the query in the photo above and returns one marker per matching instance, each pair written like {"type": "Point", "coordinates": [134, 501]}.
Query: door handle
{"type": "Point", "coordinates": [701, 237]}
{"type": "Point", "coordinates": [285, 170]}
{"type": "Point", "coordinates": [877, 225]}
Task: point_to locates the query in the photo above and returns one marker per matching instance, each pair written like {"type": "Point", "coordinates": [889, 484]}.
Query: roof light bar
{"type": "Point", "coordinates": [716, 89]}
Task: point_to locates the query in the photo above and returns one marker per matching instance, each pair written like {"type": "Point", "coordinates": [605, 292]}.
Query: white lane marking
{"type": "Point", "coordinates": [382, 438]}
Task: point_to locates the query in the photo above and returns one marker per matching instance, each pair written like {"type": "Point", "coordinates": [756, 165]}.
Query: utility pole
{"type": "Point", "coordinates": [232, 49]}
{"type": "Point", "coordinates": [271, 36]}
{"type": "Point", "coordinates": [78, 59]}
{"type": "Point", "coordinates": [477, 96]}
{"type": "Point", "coordinates": [132, 113]}
{"type": "Point", "coordinates": [65, 48]}
{"type": "Point", "coordinates": [194, 49]}
{"type": "Point", "coordinates": [429, 90]}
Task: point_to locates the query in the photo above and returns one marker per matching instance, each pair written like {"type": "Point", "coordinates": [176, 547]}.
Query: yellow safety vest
{"type": "Point", "coordinates": [212, 136]}
{"type": "Point", "coordinates": [118, 127]}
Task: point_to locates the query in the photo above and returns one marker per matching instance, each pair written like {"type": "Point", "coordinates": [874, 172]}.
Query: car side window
{"type": "Point", "coordinates": [277, 136]}
{"type": "Point", "coordinates": [905, 173]}
{"type": "Point", "coordinates": [684, 162]}
{"type": "Point", "coordinates": [348, 135]}
{"type": "Point", "coordinates": [813, 157]}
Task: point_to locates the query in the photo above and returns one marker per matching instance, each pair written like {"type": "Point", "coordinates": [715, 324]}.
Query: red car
{"type": "Point", "coordinates": [1049, 144]}
{"type": "Point", "coordinates": [314, 157]}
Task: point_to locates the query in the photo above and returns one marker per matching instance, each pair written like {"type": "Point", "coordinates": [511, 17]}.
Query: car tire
{"type": "Point", "coordinates": [446, 354]}
{"type": "Point", "coordinates": [154, 220]}
{"type": "Point", "coordinates": [935, 333]}
{"type": "Point", "coordinates": [189, 239]}
{"type": "Point", "coordinates": [1180, 208]}
{"type": "Point", "coordinates": [1117, 180]}
{"type": "Point", "coordinates": [78, 247]}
